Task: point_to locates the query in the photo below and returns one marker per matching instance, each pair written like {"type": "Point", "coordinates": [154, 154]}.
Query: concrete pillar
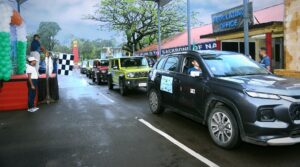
{"type": "Point", "coordinates": [291, 39]}
{"type": "Point", "coordinates": [219, 47]}
{"type": "Point", "coordinates": [269, 46]}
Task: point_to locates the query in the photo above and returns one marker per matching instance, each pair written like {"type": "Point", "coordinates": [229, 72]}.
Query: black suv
{"type": "Point", "coordinates": [234, 96]}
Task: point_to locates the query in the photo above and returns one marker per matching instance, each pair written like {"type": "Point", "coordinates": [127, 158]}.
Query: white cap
{"type": "Point", "coordinates": [31, 59]}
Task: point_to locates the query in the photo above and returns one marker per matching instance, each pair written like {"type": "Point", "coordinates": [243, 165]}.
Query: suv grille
{"type": "Point", "coordinates": [140, 74]}
{"type": "Point", "coordinates": [295, 112]}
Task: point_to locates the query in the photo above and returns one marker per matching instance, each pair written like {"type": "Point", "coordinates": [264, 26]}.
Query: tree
{"type": "Point", "coordinates": [61, 48]}
{"type": "Point", "coordinates": [91, 49]}
{"type": "Point", "coordinates": [137, 20]}
{"type": "Point", "coordinates": [47, 32]}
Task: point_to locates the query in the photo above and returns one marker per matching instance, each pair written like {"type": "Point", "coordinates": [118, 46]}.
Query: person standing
{"type": "Point", "coordinates": [35, 49]}
{"type": "Point", "coordinates": [265, 59]}
{"type": "Point", "coordinates": [32, 83]}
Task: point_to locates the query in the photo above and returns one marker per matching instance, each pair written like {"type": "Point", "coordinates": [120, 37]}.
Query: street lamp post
{"type": "Point", "coordinates": [19, 3]}
{"type": "Point", "coordinates": [246, 28]}
{"type": "Point", "coordinates": [160, 3]}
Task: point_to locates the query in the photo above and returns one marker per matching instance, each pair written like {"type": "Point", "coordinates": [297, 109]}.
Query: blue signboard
{"type": "Point", "coordinates": [231, 18]}
{"type": "Point", "coordinates": [199, 46]}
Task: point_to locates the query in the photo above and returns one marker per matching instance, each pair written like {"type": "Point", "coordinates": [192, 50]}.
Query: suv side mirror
{"type": "Point", "coordinates": [196, 74]}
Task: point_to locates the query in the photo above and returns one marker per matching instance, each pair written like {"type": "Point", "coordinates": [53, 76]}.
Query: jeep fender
{"type": "Point", "coordinates": [217, 100]}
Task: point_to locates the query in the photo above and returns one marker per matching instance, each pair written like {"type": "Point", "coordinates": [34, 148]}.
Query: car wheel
{"type": "Point", "coordinates": [98, 80]}
{"type": "Point", "coordinates": [223, 128]}
{"type": "Point", "coordinates": [155, 102]}
{"type": "Point", "coordinates": [110, 83]}
{"type": "Point", "coordinates": [94, 78]}
{"type": "Point", "coordinates": [123, 89]}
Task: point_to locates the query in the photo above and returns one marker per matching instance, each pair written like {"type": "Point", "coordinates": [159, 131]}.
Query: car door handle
{"type": "Point", "coordinates": [177, 80]}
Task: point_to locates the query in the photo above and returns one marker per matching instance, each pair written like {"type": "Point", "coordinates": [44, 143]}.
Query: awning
{"type": "Point", "coordinates": [275, 27]}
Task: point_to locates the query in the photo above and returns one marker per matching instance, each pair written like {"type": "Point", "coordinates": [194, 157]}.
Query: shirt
{"type": "Point", "coordinates": [35, 46]}
{"type": "Point", "coordinates": [265, 61]}
{"type": "Point", "coordinates": [192, 69]}
{"type": "Point", "coordinates": [31, 70]}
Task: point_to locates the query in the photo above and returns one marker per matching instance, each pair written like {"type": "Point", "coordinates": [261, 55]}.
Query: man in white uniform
{"type": "Point", "coordinates": [32, 83]}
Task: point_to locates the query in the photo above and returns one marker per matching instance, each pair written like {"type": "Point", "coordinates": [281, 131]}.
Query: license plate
{"type": "Point", "coordinates": [142, 84]}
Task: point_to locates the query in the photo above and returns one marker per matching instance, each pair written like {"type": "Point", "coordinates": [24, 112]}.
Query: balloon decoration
{"type": "Point", "coordinates": [9, 17]}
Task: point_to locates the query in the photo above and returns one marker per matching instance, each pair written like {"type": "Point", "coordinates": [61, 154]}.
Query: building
{"type": "Point", "coordinates": [109, 52]}
{"type": "Point", "coordinates": [266, 31]}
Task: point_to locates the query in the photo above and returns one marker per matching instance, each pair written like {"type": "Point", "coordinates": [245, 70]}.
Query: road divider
{"type": "Point", "coordinates": [180, 145]}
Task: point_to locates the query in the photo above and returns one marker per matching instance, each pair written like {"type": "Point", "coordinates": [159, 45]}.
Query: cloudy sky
{"type": "Point", "coordinates": [69, 13]}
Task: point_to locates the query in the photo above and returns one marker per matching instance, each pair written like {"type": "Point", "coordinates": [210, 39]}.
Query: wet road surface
{"type": "Point", "coordinates": [92, 126]}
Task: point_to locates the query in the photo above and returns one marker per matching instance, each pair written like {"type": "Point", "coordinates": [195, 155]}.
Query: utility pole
{"type": "Point", "coordinates": [159, 33]}
{"type": "Point", "coordinates": [246, 27]}
{"type": "Point", "coordinates": [189, 23]}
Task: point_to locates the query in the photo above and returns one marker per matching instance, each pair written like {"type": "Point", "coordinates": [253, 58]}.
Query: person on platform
{"type": "Point", "coordinates": [32, 83]}
{"type": "Point", "coordinates": [265, 59]}
{"type": "Point", "coordinates": [35, 49]}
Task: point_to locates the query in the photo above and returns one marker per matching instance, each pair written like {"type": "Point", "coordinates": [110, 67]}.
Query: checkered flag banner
{"type": "Point", "coordinates": [65, 64]}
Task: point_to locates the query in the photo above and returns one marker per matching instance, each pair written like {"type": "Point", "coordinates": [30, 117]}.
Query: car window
{"type": "Point", "coordinates": [134, 62]}
{"type": "Point", "coordinates": [104, 62]}
{"type": "Point", "coordinates": [171, 64]}
{"type": "Point", "coordinates": [232, 65]}
{"type": "Point", "coordinates": [114, 63]}
{"type": "Point", "coordinates": [160, 64]}
{"type": "Point", "coordinates": [190, 64]}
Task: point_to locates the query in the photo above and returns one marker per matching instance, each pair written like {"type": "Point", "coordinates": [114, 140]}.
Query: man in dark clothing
{"type": "Point", "coordinates": [35, 44]}
{"type": "Point", "coordinates": [265, 59]}
{"type": "Point", "coordinates": [35, 49]}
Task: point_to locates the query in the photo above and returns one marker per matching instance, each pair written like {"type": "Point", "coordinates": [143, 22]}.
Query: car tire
{"type": "Point", "coordinates": [94, 78]}
{"type": "Point", "coordinates": [123, 89]}
{"type": "Point", "coordinates": [98, 80]}
{"type": "Point", "coordinates": [155, 102]}
{"type": "Point", "coordinates": [110, 83]}
{"type": "Point", "coordinates": [223, 128]}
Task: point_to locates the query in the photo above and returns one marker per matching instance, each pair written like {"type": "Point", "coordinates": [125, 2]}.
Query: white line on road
{"type": "Point", "coordinates": [107, 98]}
{"type": "Point", "coordinates": [182, 146]}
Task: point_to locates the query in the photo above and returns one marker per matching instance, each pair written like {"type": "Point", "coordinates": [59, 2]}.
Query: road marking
{"type": "Point", "coordinates": [182, 146]}
{"type": "Point", "coordinates": [107, 98]}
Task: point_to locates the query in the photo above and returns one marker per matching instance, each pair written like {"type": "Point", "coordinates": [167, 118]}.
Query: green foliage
{"type": "Point", "coordinates": [137, 20]}
{"type": "Point", "coordinates": [61, 48]}
{"type": "Point", "coordinates": [21, 57]}
{"type": "Point", "coordinates": [5, 61]}
{"type": "Point", "coordinates": [92, 49]}
{"type": "Point", "coordinates": [47, 32]}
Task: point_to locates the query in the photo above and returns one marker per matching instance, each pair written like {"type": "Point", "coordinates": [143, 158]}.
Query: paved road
{"type": "Point", "coordinates": [92, 126]}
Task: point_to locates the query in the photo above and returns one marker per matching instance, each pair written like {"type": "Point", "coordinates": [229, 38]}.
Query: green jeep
{"type": "Point", "coordinates": [128, 73]}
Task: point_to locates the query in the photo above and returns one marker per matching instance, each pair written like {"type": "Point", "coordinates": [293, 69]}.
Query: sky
{"type": "Point", "coordinates": [69, 13]}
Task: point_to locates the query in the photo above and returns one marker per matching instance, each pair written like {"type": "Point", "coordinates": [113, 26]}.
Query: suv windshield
{"type": "Point", "coordinates": [104, 63]}
{"type": "Point", "coordinates": [134, 62]}
{"type": "Point", "coordinates": [233, 65]}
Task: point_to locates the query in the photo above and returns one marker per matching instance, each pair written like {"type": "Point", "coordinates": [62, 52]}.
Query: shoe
{"type": "Point", "coordinates": [35, 109]}
{"type": "Point", "coordinates": [30, 110]}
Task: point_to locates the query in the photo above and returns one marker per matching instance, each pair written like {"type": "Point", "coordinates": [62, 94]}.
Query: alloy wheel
{"type": "Point", "coordinates": [221, 127]}
{"type": "Point", "coordinates": [153, 99]}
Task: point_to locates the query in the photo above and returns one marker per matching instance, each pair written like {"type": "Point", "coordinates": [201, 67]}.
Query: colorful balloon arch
{"type": "Point", "coordinates": [10, 17]}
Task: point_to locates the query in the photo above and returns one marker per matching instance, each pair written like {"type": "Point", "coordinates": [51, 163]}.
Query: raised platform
{"type": "Point", "coordinates": [287, 73]}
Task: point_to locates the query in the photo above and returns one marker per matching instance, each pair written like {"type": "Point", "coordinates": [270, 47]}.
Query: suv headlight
{"type": "Point", "coordinates": [130, 75]}
{"type": "Point", "coordinates": [262, 95]}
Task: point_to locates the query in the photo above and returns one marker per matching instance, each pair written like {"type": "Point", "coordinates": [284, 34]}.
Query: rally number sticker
{"type": "Point", "coordinates": [166, 84]}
